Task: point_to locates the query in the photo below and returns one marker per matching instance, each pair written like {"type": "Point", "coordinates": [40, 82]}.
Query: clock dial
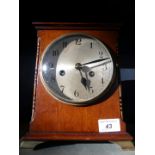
{"type": "Point", "coordinates": [77, 69]}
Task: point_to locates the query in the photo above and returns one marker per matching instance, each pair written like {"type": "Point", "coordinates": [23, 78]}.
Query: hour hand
{"type": "Point", "coordinates": [85, 82]}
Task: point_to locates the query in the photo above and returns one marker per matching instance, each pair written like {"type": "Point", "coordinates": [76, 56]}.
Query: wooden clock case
{"type": "Point", "coordinates": [53, 120]}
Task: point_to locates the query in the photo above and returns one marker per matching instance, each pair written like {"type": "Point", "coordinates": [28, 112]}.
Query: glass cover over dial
{"type": "Point", "coordinates": [77, 69]}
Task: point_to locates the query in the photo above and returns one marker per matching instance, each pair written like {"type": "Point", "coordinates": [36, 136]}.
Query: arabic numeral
{"type": "Point", "coordinates": [76, 93]}
{"type": "Point", "coordinates": [91, 45]}
{"type": "Point", "coordinates": [102, 81]}
{"type": "Point", "coordinates": [91, 90]}
{"type": "Point", "coordinates": [101, 54]}
{"type": "Point", "coordinates": [64, 44]}
{"type": "Point", "coordinates": [62, 88]}
{"type": "Point", "coordinates": [55, 52]}
{"type": "Point", "coordinates": [105, 67]}
{"type": "Point", "coordinates": [109, 126]}
{"type": "Point", "coordinates": [51, 65]}
{"type": "Point", "coordinates": [52, 79]}
{"type": "Point", "coordinates": [78, 41]}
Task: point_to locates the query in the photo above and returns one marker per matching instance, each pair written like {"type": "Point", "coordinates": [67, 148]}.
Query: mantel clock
{"type": "Point", "coordinates": [76, 83]}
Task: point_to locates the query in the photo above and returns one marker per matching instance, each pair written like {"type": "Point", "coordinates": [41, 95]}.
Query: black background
{"type": "Point", "coordinates": [111, 11]}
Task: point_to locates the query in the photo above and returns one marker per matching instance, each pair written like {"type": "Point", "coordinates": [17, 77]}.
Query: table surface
{"type": "Point", "coordinates": [77, 149]}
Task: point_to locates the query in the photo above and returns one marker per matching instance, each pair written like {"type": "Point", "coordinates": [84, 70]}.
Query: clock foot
{"type": "Point", "coordinates": [125, 145]}
{"type": "Point", "coordinates": [29, 144]}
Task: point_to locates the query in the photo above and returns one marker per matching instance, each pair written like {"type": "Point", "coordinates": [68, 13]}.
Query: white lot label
{"type": "Point", "coordinates": [109, 125]}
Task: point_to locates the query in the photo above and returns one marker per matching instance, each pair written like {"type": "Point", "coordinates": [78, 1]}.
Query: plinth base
{"type": "Point", "coordinates": [113, 136]}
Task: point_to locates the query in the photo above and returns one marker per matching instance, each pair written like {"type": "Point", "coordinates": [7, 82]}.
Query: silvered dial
{"type": "Point", "coordinates": [77, 69]}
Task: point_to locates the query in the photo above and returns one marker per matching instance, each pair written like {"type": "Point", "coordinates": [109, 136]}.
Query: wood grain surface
{"type": "Point", "coordinates": [55, 120]}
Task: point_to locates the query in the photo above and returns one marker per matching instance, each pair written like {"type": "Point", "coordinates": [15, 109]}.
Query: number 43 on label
{"type": "Point", "coordinates": [109, 125]}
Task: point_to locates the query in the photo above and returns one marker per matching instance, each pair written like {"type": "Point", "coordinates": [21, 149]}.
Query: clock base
{"type": "Point", "coordinates": [53, 120]}
{"type": "Point", "coordinates": [113, 136]}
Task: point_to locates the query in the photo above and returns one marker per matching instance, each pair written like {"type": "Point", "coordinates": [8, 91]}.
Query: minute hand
{"type": "Point", "coordinates": [104, 63]}
{"type": "Point", "coordinates": [98, 60]}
